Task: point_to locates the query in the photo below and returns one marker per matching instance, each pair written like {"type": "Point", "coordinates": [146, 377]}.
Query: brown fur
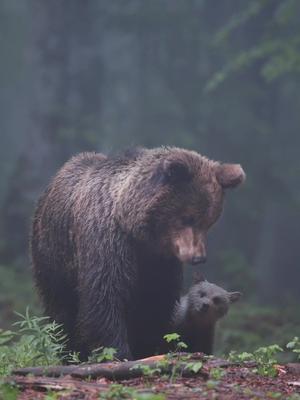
{"type": "Point", "coordinates": [109, 237]}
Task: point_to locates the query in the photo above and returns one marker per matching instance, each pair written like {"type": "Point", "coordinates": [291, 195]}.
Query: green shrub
{"type": "Point", "coordinates": [36, 342]}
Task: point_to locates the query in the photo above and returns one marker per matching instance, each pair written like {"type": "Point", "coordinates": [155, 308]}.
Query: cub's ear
{"type": "Point", "coordinates": [230, 175]}
{"type": "Point", "coordinates": [198, 277]}
{"type": "Point", "coordinates": [234, 296]}
{"type": "Point", "coordinates": [173, 172]}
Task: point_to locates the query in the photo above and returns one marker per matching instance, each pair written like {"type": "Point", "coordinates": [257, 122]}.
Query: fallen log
{"type": "Point", "coordinates": [133, 369]}
{"type": "Point", "coordinates": [293, 368]}
{"type": "Point", "coordinates": [119, 370]}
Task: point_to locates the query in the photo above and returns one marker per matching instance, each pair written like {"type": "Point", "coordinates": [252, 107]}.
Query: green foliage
{"type": "Point", "coordinates": [146, 370]}
{"type": "Point", "coordinates": [174, 358]}
{"type": "Point", "coordinates": [175, 362]}
{"type": "Point", "coordinates": [175, 339]}
{"type": "Point", "coordinates": [294, 396]}
{"type": "Point", "coordinates": [8, 391]}
{"type": "Point", "coordinates": [171, 337]}
{"type": "Point", "coordinates": [249, 326]}
{"type": "Point", "coordinates": [102, 354]}
{"type": "Point", "coordinates": [150, 396]}
{"type": "Point", "coordinates": [194, 366]}
{"type": "Point", "coordinates": [216, 373]}
{"type": "Point", "coordinates": [294, 345]}
{"type": "Point", "coordinates": [178, 361]}
{"type": "Point", "coordinates": [264, 358]}
{"type": "Point", "coordinates": [51, 395]}
{"type": "Point", "coordinates": [6, 337]}
{"type": "Point", "coordinates": [240, 357]}
{"type": "Point", "coordinates": [277, 48]}
{"type": "Point", "coordinates": [117, 391]}
{"type": "Point", "coordinates": [211, 384]}
{"type": "Point", "coordinates": [36, 342]}
{"type": "Point", "coordinates": [74, 357]}
{"type": "Point", "coordinates": [251, 10]}
{"type": "Point", "coordinates": [274, 395]}
{"type": "Point", "coordinates": [47, 338]}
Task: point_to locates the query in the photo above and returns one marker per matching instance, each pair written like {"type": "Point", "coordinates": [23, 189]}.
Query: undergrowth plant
{"type": "Point", "coordinates": [174, 357]}
{"type": "Point", "coordinates": [102, 354]}
{"type": "Point", "coordinates": [294, 345]}
{"type": "Point", "coordinates": [179, 347]}
{"type": "Point", "coordinates": [117, 391]}
{"type": "Point", "coordinates": [264, 357]}
{"type": "Point", "coordinates": [8, 391]}
{"type": "Point", "coordinates": [147, 371]}
{"type": "Point", "coordinates": [174, 338]}
{"type": "Point", "coordinates": [173, 364]}
{"type": "Point", "coordinates": [36, 342]}
{"type": "Point", "coordinates": [46, 338]}
{"type": "Point", "coordinates": [180, 361]}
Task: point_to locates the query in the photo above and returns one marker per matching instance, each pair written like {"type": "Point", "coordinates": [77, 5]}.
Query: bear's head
{"type": "Point", "coordinates": [170, 197]}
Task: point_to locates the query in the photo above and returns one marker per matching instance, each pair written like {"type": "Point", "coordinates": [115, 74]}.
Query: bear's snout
{"type": "Point", "coordinates": [190, 246]}
{"type": "Point", "coordinates": [205, 307]}
{"type": "Point", "coordinates": [198, 260]}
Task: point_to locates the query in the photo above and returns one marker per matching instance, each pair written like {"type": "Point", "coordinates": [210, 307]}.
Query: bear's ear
{"type": "Point", "coordinates": [198, 277]}
{"type": "Point", "coordinates": [230, 175]}
{"type": "Point", "coordinates": [175, 171]}
{"type": "Point", "coordinates": [234, 296]}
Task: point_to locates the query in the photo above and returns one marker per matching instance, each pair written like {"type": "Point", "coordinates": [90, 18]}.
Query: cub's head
{"type": "Point", "coordinates": [208, 302]}
{"type": "Point", "coordinates": [170, 198]}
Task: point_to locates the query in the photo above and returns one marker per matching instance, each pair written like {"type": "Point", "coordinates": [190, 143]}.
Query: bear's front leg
{"type": "Point", "coordinates": [102, 325]}
{"type": "Point", "coordinates": [102, 315]}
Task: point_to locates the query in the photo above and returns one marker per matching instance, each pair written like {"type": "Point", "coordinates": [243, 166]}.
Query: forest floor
{"type": "Point", "coordinates": [216, 379]}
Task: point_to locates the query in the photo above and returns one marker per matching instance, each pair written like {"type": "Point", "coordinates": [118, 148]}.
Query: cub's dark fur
{"type": "Point", "coordinates": [198, 311]}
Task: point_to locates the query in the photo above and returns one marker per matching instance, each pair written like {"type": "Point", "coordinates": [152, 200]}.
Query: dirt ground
{"type": "Point", "coordinates": [225, 382]}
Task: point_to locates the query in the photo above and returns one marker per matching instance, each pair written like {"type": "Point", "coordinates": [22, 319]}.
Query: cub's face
{"type": "Point", "coordinates": [191, 205]}
{"type": "Point", "coordinates": [209, 302]}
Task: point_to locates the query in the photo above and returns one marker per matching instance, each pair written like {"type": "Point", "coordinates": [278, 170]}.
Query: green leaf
{"type": "Point", "coordinates": [195, 367]}
{"type": "Point", "coordinates": [172, 337]}
{"type": "Point", "coordinates": [6, 337]}
{"type": "Point", "coordinates": [182, 345]}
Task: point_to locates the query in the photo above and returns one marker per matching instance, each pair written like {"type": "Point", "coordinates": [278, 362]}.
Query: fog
{"type": "Point", "coordinates": [221, 78]}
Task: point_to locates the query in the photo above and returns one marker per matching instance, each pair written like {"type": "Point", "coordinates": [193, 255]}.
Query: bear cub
{"type": "Point", "coordinates": [197, 313]}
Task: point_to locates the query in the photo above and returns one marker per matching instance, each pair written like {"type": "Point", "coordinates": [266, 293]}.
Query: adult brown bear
{"type": "Point", "coordinates": [109, 238]}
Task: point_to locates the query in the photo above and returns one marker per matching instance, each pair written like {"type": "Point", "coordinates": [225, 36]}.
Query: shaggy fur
{"type": "Point", "coordinates": [198, 311]}
{"type": "Point", "coordinates": [109, 238]}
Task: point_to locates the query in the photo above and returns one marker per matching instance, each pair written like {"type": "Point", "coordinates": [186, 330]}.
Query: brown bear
{"type": "Point", "coordinates": [110, 235]}
{"type": "Point", "coordinates": [196, 314]}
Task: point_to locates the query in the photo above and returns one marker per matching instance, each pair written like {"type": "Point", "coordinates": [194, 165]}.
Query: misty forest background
{"type": "Point", "coordinates": [219, 77]}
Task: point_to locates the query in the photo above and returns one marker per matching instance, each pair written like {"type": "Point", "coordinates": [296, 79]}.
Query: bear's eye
{"type": "Point", "coordinates": [217, 300]}
{"type": "Point", "coordinates": [201, 294]}
{"type": "Point", "coordinates": [187, 220]}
